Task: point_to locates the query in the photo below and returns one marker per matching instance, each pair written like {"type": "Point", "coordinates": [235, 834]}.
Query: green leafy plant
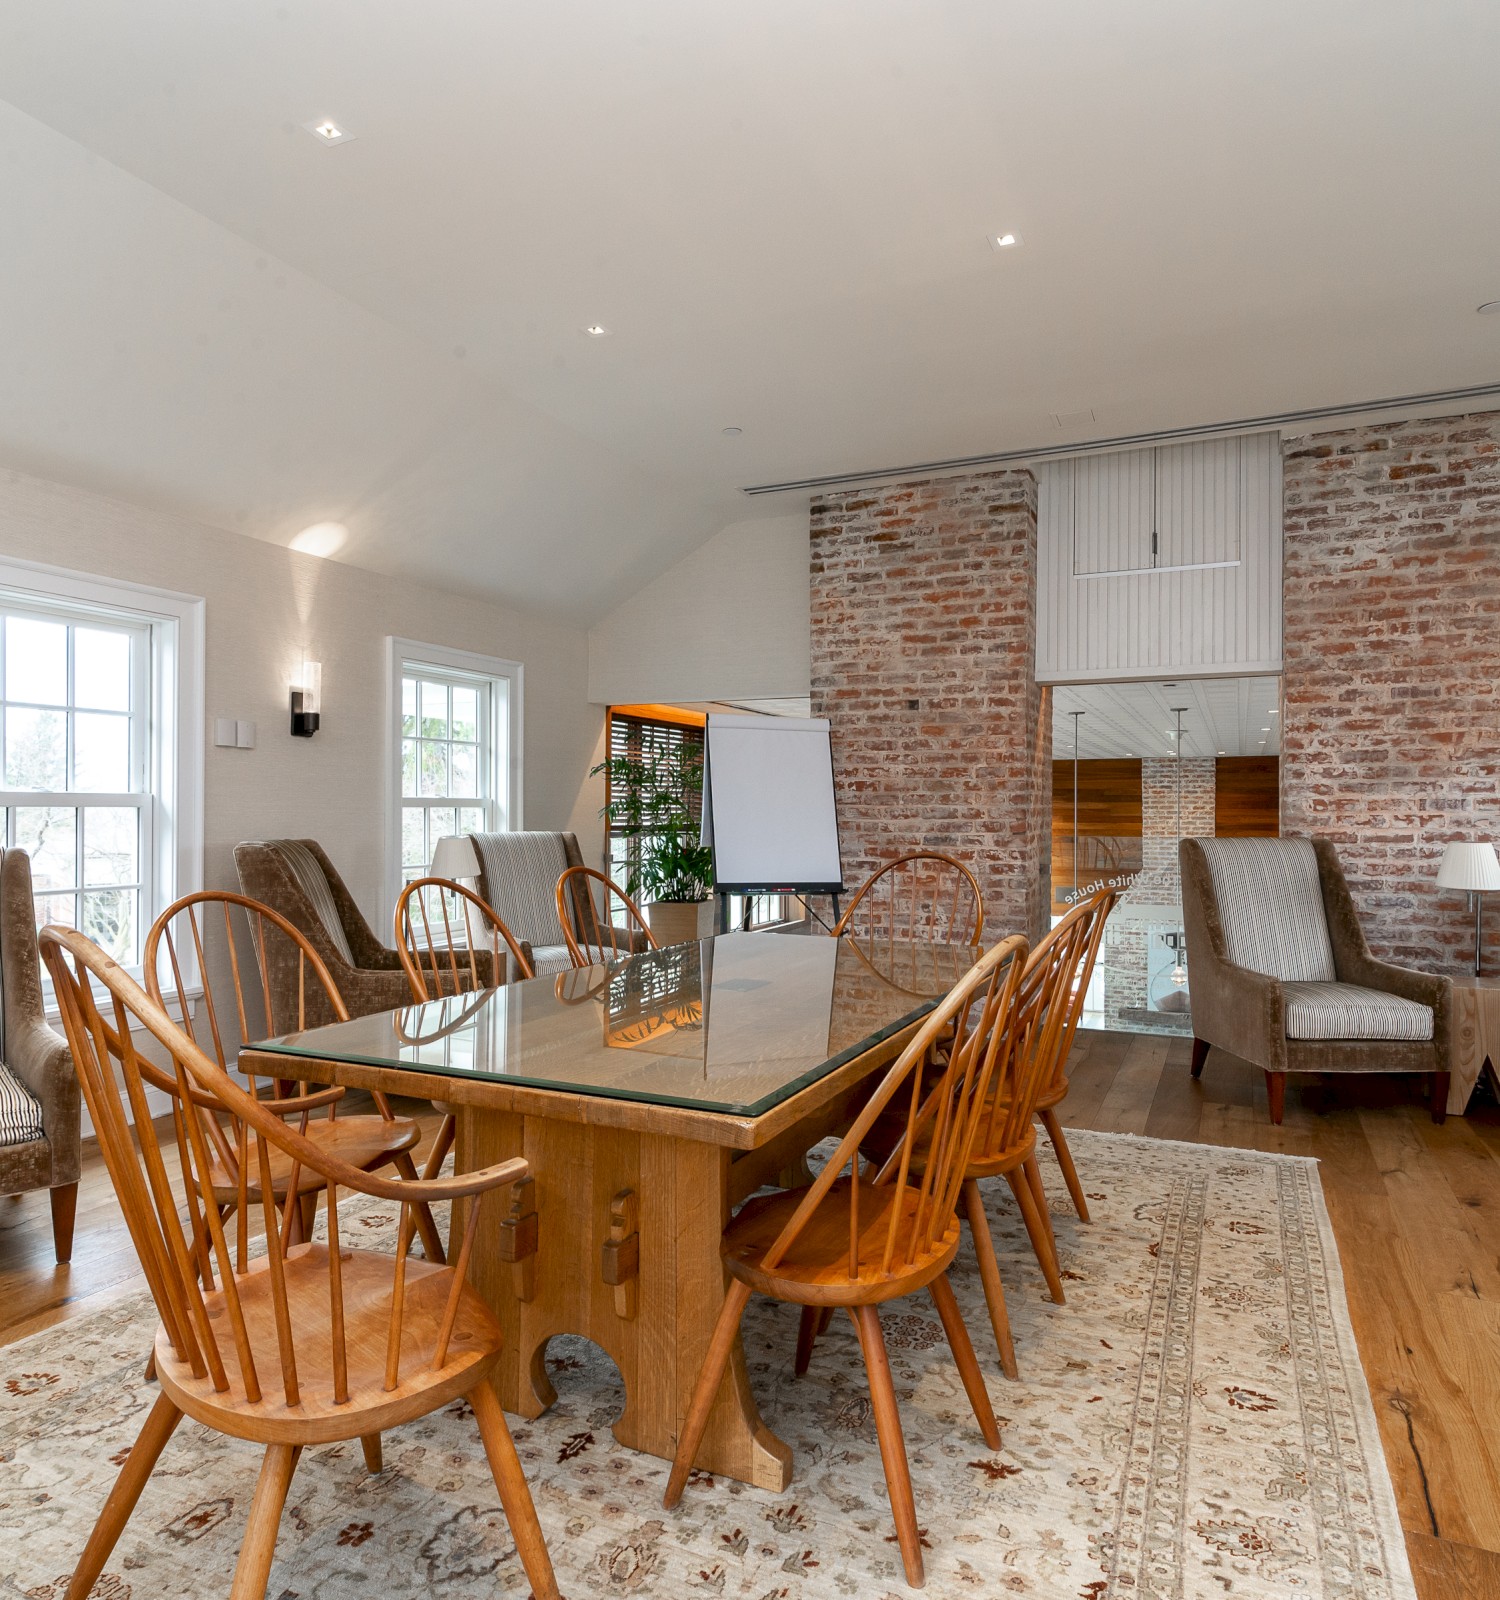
{"type": "Point", "coordinates": [651, 803]}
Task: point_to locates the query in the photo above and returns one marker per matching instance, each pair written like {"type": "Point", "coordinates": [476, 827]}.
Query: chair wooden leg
{"type": "Point", "coordinates": [1200, 1055]}
{"type": "Point", "coordinates": [892, 1443]}
{"type": "Point", "coordinates": [1276, 1095]}
{"type": "Point", "coordinates": [258, 1548]}
{"type": "Point", "coordinates": [1036, 1230]}
{"type": "Point", "coordinates": [1440, 1085]}
{"type": "Point", "coordinates": [1039, 1194]}
{"type": "Point", "coordinates": [144, 1454]}
{"type": "Point", "coordinates": [989, 1276]}
{"type": "Point", "coordinates": [515, 1494]}
{"type": "Point", "coordinates": [963, 1353]}
{"type": "Point", "coordinates": [710, 1375]}
{"type": "Point", "coordinates": [440, 1146]}
{"type": "Point", "coordinates": [824, 1318]}
{"type": "Point", "coordinates": [64, 1209]}
{"type": "Point", "coordinates": [150, 1372]}
{"type": "Point", "coordinates": [307, 1215]}
{"type": "Point", "coordinates": [807, 1335]}
{"type": "Point", "coordinates": [1065, 1162]}
{"type": "Point", "coordinates": [427, 1231]}
{"type": "Point", "coordinates": [374, 1457]}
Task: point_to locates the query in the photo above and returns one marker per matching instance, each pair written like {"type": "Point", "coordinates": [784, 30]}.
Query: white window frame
{"type": "Point", "coordinates": [507, 743]}
{"type": "Point", "coordinates": [175, 709]}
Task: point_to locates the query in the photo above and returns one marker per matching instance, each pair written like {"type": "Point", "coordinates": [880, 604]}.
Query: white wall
{"type": "Point", "coordinates": [266, 608]}
{"type": "Point", "coordinates": [730, 621]}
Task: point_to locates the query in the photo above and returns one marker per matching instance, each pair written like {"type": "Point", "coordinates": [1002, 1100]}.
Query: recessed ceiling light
{"type": "Point", "coordinates": [326, 131]}
{"type": "Point", "coordinates": [1265, 730]}
{"type": "Point", "coordinates": [731, 433]}
{"type": "Point", "coordinates": [1275, 711]}
{"type": "Point", "coordinates": [597, 330]}
{"type": "Point", "coordinates": [1004, 241]}
{"type": "Point", "coordinates": [1488, 308]}
{"type": "Point", "coordinates": [321, 539]}
{"type": "Point", "coordinates": [1223, 752]}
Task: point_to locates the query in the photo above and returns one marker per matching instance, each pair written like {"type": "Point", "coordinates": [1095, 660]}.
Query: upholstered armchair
{"type": "Point", "coordinates": [1279, 972]}
{"type": "Point", "coordinates": [39, 1099]}
{"type": "Point", "coordinates": [518, 875]}
{"type": "Point", "coordinates": [296, 878]}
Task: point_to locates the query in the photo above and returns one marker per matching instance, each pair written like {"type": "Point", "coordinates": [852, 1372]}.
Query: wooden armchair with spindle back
{"type": "Point", "coordinates": [921, 895]}
{"type": "Point", "coordinates": [310, 1343]}
{"type": "Point", "coordinates": [262, 976]}
{"type": "Point", "coordinates": [854, 1241]}
{"type": "Point", "coordinates": [452, 942]}
{"type": "Point", "coordinates": [621, 930]}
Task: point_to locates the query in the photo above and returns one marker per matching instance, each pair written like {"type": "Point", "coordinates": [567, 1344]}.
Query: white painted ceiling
{"type": "Point", "coordinates": [1221, 716]}
{"type": "Point", "coordinates": [779, 210]}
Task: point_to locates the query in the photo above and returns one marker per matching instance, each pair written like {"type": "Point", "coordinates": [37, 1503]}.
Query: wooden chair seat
{"type": "Point", "coordinates": [371, 1407]}
{"type": "Point", "coordinates": [366, 1142]}
{"type": "Point", "coordinates": [816, 1270]}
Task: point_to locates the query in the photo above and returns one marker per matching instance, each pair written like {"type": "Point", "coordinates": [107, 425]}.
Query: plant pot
{"type": "Point", "coordinates": [680, 921]}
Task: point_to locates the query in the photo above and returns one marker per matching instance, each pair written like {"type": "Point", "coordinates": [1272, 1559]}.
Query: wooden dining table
{"type": "Point", "coordinates": [650, 1097]}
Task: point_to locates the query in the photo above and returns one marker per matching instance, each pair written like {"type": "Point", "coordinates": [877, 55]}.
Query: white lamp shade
{"type": "Point", "coordinates": [455, 857]}
{"type": "Point", "coordinates": [1471, 866]}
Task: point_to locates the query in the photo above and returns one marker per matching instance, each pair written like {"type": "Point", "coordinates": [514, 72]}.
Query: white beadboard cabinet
{"type": "Point", "coordinates": [1160, 563]}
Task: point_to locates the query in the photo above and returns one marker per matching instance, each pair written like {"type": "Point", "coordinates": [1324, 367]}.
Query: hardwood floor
{"type": "Point", "coordinates": [1415, 1207]}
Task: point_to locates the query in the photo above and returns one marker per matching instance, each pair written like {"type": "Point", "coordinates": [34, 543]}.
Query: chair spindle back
{"type": "Point", "coordinates": [451, 942]}
{"type": "Point", "coordinates": [921, 895]}
{"type": "Point", "coordinates": [947, 1105]}
{"type": "Point", "coordinates": [593, 938]}
{"type": "Point", "coordinates": [1094, 914]}
{"type": "Point", "coordinates": [211, 1307]}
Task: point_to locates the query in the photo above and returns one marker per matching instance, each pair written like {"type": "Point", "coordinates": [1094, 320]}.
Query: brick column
{"type": "Point", "coordinates": [1391, 736]}
{"type": "Point", "coordinates": [924, 658]}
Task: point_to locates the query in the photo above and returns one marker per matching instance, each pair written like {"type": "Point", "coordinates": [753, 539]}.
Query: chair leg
{"type": "Point", "coordinates": [1440, 1086]}
{"type": "Point", "coordinates": [427, 1231]}
{"type": "Point", "coordinates": [1039, 1194]}
{"type": "Point", "coordinates": [64, 1209]}
{"type": "Point", "coordinates": [963, 1353]}
{"type": "Point", "coordinates": [989, 1276]}
{"type": "Point", "coordinates": [440, 1146]}
{"type": "Point", "coordinates": [374, 1457]}
{"type": "Point", "coordinates": [1065, 1161]}
{"type": "Point", "coordinates": [710, 1375]}
{"type": "Point", "coordinates": [1276, 1095]}
{"type": "Point", "coordinates": [807, 1335]}
{"type": "Point", "coordinates": [144, 1454]}
{"type": "Point", "coordinates": [1200, 1055]}
{"type": "Point", "coordinates": [307, 1215]}
{"type": "Point", "coordinates": [258, 1548]}
{"type": "Point", "coordinates": [515, 1495]}
{"type": "Point", "coordinates": [892, 1443]}
{"type": "Point", "coordinates": [1020, 1187]}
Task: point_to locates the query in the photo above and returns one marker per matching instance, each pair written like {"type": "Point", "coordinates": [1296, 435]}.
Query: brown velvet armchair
{"type": "Point", "coordinates": [40, 1144]}
{"type": "Point", "coordinates": [1279, 972]}
{"type": "Point", "coordinates": [296, 878]}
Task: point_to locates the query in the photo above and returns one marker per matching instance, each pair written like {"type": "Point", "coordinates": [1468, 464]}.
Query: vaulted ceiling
{"type": "Point", "coordinates": [780, 212]}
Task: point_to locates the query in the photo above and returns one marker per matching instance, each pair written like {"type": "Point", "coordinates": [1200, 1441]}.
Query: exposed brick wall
{"type": "Point", "coordinates": [923, 656]}
{"type": "Point", "coordinates": [1159, 814]}
{"type": "Point", "coordinates": [1391, 735]}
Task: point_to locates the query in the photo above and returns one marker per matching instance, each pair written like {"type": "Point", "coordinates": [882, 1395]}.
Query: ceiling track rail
{"type": "Point", "coordinates": [1127, 441]}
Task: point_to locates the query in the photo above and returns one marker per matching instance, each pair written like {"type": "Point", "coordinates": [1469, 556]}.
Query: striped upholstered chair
{"type": "Point", "coordinates": [1280, 974]}
{"type": "Point", "coordinates": [518, 875]}
{"type": "Point", "coordinates": [296, 878]}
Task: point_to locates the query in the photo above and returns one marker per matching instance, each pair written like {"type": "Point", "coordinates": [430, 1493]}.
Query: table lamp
{"type": "Point", "coordinates": [455, 858]}
{"type": "Point", "coordinates": [1473, 867]}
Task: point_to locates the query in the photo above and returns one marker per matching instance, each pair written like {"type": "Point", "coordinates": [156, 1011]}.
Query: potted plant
{"type": "Point", "coordinates": [670, 874]}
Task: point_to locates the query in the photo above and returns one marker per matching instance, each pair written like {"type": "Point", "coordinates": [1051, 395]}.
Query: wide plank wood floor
{"type": "Point", "coordinates": [1415, 1208]}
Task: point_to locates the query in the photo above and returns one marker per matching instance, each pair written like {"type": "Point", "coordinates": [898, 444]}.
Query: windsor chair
{"type": "Point", "coordinates": [923, 894]}
{"type": "Point", "coordinates": [454, 962]}
{"type": "Point", "coordinates": [853, 1241]}
{"type": "Point", "coordinates": [1094, 913]}
{"type": "Point", "coordinates": [310, 1343]}
{"type": "Point", "coordinates": [593, 939]}
{"type": "Point", "coordinates": [232, 937]}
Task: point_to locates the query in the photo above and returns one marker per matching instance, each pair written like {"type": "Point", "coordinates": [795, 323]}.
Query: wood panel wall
{"type": "Point", "coordinates": [1247, 796]}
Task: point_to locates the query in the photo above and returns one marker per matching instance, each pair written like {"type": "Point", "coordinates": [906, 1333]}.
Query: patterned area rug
{"type": "Point", "coordinates": [1194, 1422]}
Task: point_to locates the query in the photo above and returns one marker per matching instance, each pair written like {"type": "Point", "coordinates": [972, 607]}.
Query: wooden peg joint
{"type": "Point", "coordinates": [620, 1254]}
{"type": "Point", "coordinates": [518, 1238]}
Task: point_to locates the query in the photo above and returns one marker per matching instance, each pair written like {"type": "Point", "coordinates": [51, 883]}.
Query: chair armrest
{"type": "Point", "coordinates": [1426, 988]}
{"type": "Point", "coordinates": [1238, 1010]}
{"type": "Point", "coordinates": [40, 1058]}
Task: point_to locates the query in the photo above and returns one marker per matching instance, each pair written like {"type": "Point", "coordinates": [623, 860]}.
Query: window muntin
{"type": "Point", "coordinates": [453, 749]}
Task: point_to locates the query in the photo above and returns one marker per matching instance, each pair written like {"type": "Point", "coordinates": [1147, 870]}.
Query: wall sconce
{"type": "Point", "coordinates": [307, 699]}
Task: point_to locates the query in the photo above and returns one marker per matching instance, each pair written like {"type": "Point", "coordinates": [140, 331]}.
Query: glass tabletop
{"type": "Point", "coordinates": [734, 1024]}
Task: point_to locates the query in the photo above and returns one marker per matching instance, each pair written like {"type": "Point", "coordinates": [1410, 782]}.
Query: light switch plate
{"type": "Point", "coordinates": [224, 731]}
{"type": "Point", "coordinates": [244, 735]}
